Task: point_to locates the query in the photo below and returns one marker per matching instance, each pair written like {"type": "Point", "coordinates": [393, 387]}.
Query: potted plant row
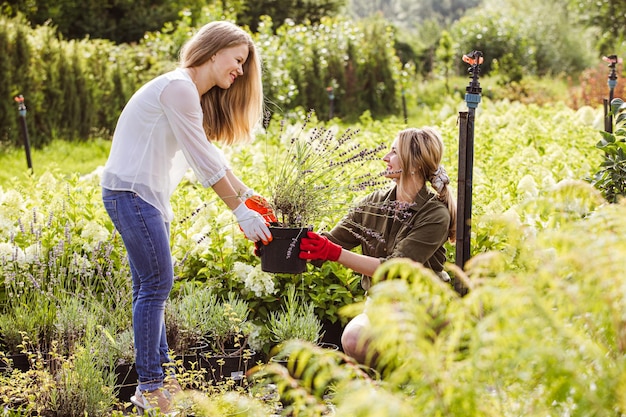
{"type": "Point", "coordinates": [296, 320]}
{"type": "Point", "coordinates": [210, 332]}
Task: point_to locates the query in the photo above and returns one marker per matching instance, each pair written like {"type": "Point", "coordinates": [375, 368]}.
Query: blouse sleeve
{"type": "Point", "coordinates": [181, 106]}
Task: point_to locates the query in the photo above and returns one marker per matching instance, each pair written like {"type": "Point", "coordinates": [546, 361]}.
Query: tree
{"type": "Point", "coordinates": [445, 55]}
{"type": "Point", "coordinates": [408, 13]}
{"type": "Point", "coordinates": [118, 20]}
{"type": "Point", "coordinates": [298, 11]}
{"type": "Point", "coordinates": [608, 15]}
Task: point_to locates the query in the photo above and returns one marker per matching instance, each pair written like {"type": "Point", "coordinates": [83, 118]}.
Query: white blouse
{"type": "Point", "coordinates": [158, 137]}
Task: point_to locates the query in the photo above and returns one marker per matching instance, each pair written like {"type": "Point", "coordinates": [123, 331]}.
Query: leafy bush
{"type": "Point", "coordinates": [533, 35]}
{"type": "Point", "coordinates": [81, 90]}
{"type": "Point", "coordinates": [610, 179]}
{"type": "Point", "coordinates": [541, 324]}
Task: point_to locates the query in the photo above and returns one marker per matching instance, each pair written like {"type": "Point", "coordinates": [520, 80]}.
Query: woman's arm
{"type": "Point", "coordinates": [236, 183]}
{"type": "Point", "coordinates": [317, 247]}
{"type": "Point", "coordinates": [227, 192]}
{"type": "Point", "coordinates": [361, 264]}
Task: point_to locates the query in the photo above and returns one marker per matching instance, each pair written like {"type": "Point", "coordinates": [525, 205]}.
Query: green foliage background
{"type": "Point", "coordinates": [75, 88]}
{"type": "Point", "coordinates": [540, 325]}
{"type": "Point", "coordinates": [540, 332]}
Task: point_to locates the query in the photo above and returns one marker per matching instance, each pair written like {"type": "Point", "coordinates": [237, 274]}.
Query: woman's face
{"type": "Point", "coordinates": [393, 162]}
{"type": "Point", "coordinates": [228, 64]}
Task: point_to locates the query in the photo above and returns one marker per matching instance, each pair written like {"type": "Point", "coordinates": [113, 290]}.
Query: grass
{"type": "Point", "coordinates": [62, 157]}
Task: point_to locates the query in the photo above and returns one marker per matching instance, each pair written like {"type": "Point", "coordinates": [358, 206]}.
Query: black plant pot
{"type": "Point", "coordinates": [126, 381]}
{"type": "Point", "coordinates": [15, 361]}
{"type": "Point", "coordinates": [232, 366]}
{"type": "Point", "coordinates": [281, 254]}
{"type": "Point", "coordinates": [192, 356]}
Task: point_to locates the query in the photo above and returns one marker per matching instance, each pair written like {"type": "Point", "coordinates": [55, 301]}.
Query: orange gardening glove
{"type": "Point", "coordinates": [261, 206]}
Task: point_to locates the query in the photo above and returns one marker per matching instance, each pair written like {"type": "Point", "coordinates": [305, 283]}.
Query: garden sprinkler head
{"type": "Point", "coordinates": [21, 107]}
{"type": "Point", "coordinates": [474, 59]}
{"type": "Point", "coordinates": [612, 60]}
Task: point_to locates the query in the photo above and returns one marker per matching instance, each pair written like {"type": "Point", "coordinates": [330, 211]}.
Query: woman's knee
{"type": "Point", "coordinates": [353, 338]}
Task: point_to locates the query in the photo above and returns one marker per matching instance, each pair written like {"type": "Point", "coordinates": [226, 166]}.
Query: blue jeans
{"type": "Point", "coordinates": [145, 234]}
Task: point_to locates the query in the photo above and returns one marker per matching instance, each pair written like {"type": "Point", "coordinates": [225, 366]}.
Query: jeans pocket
{"type": "Point", "coordinates": [110, 205]}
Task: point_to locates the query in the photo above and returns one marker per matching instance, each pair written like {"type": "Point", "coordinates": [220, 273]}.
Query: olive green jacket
{"type": "Point", "coordinates": [385, 229]}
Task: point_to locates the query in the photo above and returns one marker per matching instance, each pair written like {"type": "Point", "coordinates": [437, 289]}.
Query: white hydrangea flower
{"type": "Point", "coordinates": [254, 279]}
{"type": "Point", "coordinates": [11, 203]}
{"type": "Point", "coordinates": [256, 339]}
{"type": "Point", "coordinates": [32, 253]}
{"type": "Point", "coordinates": [229, 243]}
{"type": "Point", "coordinates": [7, 226]}
{"type": "Point", "coordinates": [527, 187]}
{"type": "Point", "coordinates": [47, 181]}
{"type": "Point", "coordinates": [11, 253]}
{"type": "Point", "coordinates": [224, 218]}
{"type": "Point", "coordinates": [259, 282]}
{"type": "Point", "coordinates": [92, 234]}
{"type": "Point", "coordinates": [200, 244]}
{"type": "Point", "coordinates": [242, 270]}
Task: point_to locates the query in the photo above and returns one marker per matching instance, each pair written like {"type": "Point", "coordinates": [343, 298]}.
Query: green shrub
{"type": "Point", "coordinates": [610, 179]}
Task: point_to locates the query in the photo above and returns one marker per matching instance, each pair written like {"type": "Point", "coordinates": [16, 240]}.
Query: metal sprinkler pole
{"type": "Point", "coordinates": [613, 60]}
{"type": "Point", "coordinates": [404, 111]}
{"type": "Point", "coordinates": [466, 164]}
{"type": "Point", "coordinates": [21, 107]}
{"type": "Point", "coordinates": [331, 102]}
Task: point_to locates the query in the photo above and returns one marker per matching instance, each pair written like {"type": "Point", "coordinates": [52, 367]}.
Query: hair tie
{"type": "Point", "coordinates": [440, 179]}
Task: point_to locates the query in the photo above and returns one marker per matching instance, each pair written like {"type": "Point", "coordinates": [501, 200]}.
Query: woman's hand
{"type": "Point", "coordinates": [260, 205]}
{"type": "Point", "coordinates": [253, 225]}
{"type": "Point", "coordinates": [316, 247]}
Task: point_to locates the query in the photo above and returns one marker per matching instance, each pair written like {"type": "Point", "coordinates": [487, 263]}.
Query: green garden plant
{"type": "Point", "coordinates": [228, 325]}
{"type": "Point", "coordinates": [187, 317]}
{"type": "Point", "coordinates": [31, 315]}
{"type": "Point", "coordinates": [59, 385]}
{"type": "Point", "coordinates": [320, 170]}
{"type": "Point", "coordinates": [296, 320]}
{"type": "Point", "coordinates": [539, 327]}
{"type": "Point", "coordinates": [610, 179]}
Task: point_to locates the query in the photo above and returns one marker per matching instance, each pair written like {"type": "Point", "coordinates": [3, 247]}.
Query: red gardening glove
{"type": "Point", "coordinates": [316, 247]}
{"type": "Point", "coordinates": [258, 249]}
{"type": "Point", "coordinates": [261, 206]}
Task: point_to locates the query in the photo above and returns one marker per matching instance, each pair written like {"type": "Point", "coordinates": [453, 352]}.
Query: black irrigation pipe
{"type": "Point", "coordinates": [613, 60]}
{"type": "Point", "coordinates": [21, 108]}
{"type": "Point", "coordinates": [466, 164]}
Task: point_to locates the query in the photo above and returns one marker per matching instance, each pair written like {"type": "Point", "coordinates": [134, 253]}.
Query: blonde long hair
{"type": "Point", "coordinates": [230, 115]}
{"type": "Point", "coordinates": [421, 150]}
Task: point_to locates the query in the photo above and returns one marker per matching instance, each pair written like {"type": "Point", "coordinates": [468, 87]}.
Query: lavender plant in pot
{"type": "Point", "coordinates": [317, 174]}
{"type": "Point", "coordinates": [295, 320]}
{"type": "Point", "coordinates": [229, 355]}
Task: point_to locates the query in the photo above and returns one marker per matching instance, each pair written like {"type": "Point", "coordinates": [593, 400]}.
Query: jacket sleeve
{"type": "Point", "coordinates": [346, 233]}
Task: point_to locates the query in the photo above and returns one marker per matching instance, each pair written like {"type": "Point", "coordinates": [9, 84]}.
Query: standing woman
{"type": "Point", "coordinates": [409, 220]}
{"type": "Point", "coordinates": [168, 126]}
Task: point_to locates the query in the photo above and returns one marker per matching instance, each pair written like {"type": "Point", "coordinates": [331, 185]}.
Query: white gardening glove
{"type": "Point", "coordinates": [252, 224]}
